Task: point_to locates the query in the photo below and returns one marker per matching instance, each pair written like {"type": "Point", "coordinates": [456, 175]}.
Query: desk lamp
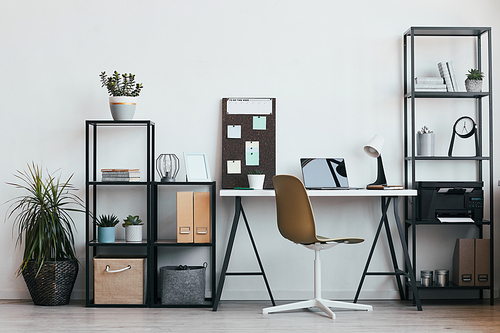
{"type": "Point", "coordinates": [373, 149]}
{"type": "Point", "coordinates": [167, 166]}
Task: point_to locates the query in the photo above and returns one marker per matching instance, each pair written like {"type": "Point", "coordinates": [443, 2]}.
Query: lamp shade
{"type": "Point", "coordinates": [374, 147]}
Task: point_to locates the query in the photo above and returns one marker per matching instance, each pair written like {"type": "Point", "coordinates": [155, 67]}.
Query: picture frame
{"type": "Point", "coordinates": [197, 169]}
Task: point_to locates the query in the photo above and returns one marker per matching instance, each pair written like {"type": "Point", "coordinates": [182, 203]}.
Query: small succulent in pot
{"type": "Point", "coordinates": [132, 220]}
{"type": "Point", "coordinates": [107, 221]}
{"type": "Point", "coordinates": [474, 81]}
{"type": "Point", "coordinates": [474, 74]}
{"type": "Point", "coordinates": [425, 130]}
{"type": "Point", "coordinates": [133, 228]}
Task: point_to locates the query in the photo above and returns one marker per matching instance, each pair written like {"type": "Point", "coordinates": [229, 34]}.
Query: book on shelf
{"type": "Point", "coordinates": [120, 175]}
{"type": "Point", "coordinates": [121, 179]}
{"type": "Point", "coordinates": [445, 74]}
{"type": "Point", "coordinates": [451, 71]}
{"type": "Point", "coordinates": [430, 87]}
{"type": "Point", "coordinates": [429, 80]}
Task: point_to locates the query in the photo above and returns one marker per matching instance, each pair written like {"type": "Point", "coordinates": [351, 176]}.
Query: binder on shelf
{"type": "Point", "coordinates": [184, 217]}
{"type": "Point", "coordinates": [201, 204]}
{"type": "Point", "coordinates": [463, 263]}
{"type": "Point", "coordinates": [482, 263]}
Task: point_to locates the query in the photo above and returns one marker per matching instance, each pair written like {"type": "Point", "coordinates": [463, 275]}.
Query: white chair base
{"type": "Point", "coordinates": [318, 302]}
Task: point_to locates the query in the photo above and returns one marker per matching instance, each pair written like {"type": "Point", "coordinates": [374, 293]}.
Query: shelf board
{"type": "Point", "coordinates": [184, 183]}
{"type": "Point", "coordinates": [447, 31]}
{"type": "Point", "coordinates": [448, 158]}
{"type": "Point", "coordinates": [437, 222]}
{"type": "Point", "coordinates": [208, 304]}
{"type": "Point", "coordinates": [451, 285]}
{"type": "Point", "coordinates": [107, 122]}
{"type": "Point", "coordinates": [117, 183]}
{"type": "Point", "coordinates": [118, 242]}
{"type": "Point", "coordinates": [431, 94]}
{"type": "Point", "coordinates": [173, 242]}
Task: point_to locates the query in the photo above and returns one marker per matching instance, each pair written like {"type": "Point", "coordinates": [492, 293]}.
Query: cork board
{"type": "Point", "coordinates": [248, 140]}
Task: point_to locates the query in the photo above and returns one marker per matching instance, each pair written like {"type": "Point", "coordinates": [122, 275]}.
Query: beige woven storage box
{"type": "Point", "coordinates": [119, 280]}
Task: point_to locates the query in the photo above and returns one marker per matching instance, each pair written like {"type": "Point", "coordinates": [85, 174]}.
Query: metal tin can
{"type": "Point", "coordinates": [442, 277]}
{"type": "Point", "coordinates": [426, 278]}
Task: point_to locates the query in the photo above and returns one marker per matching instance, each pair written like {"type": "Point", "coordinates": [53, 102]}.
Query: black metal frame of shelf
{"type": "Point", "coordinates": [409, 125]}
{"type": "Point", "coordinates": [163, 243]}
{"type": "Point", "coordinates": [91, 244]}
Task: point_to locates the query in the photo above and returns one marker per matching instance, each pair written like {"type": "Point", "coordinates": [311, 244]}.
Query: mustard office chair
{"type": "Point", "coordinates": [296, 223]}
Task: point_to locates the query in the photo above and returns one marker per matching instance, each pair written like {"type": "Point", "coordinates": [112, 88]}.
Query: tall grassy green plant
{"type": "Point", "coordinates": [42, 216]}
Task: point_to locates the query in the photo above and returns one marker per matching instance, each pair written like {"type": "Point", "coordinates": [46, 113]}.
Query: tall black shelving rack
{"type": "Point", "coordinates": [484, 156]}
{"type": "Point", "coordinates": [148, 247]}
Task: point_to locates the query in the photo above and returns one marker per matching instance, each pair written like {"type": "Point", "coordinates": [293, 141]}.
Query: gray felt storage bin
{"type": "Point", "coordinates": [183, 284]}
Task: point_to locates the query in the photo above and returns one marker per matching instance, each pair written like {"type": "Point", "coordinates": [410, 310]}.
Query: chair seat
{"type": "Point", "coordinates": [347, 240]}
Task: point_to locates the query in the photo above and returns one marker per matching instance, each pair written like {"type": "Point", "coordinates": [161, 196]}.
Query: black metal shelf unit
{"type": "Point", "coordinates": [160, 243]}
{"type": "Point", "coordinates": [483, 157]}
{"type": "Point", "coordinates": [92, 184]}
{"type": "Point", "coordinates": [149, 246]}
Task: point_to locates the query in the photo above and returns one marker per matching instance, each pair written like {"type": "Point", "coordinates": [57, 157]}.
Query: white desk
{"type": "Point", "coordinates": [385, 195]}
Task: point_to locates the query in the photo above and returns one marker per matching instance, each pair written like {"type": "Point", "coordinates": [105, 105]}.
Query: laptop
{"type": "Point", "coordinates": [324, 174]}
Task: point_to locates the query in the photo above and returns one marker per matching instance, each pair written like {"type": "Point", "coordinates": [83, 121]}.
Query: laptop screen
{"type": "Point", "coordinates": [324, 173]}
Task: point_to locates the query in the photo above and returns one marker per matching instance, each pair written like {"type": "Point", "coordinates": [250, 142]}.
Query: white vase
{"type": "Point", "coordinates": [256, 181]}
{"type": "Point", "coordinates": [425, 144]}
{"type": "Point", "coordinates": [133, 233]}
{"type": "Point", "coordinates": [122, 107]}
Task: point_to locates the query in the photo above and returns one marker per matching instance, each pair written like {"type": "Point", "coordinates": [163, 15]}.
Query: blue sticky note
{"type": "Point", "coordinates": [259, 122]}
{"type": "Point", "coordinates": [252, 153]}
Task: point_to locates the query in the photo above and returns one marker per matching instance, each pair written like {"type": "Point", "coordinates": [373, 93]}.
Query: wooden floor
{"type": "Point", "coordinates": [239, 316]}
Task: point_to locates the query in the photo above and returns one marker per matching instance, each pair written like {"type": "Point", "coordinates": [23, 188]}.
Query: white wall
{"type": "Point", "coordinates": [335, 68]}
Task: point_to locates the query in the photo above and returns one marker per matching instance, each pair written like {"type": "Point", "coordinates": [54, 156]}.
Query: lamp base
{"type": "Point", "coordinates": [381, 181]}
{"type": "Point", "coordinates": [168, 180]}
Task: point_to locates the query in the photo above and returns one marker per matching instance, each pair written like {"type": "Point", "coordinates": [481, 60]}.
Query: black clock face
{"type": "Point", "coordinates": [464, 127]}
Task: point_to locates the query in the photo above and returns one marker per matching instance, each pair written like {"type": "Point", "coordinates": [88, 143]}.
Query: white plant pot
{"type": "Point", "coordinates": [474, 85]}
{"type": "Point", "coordinates": [256, 181]}
{"type": "Point", "coordinates": [122, 107]}
{"type": "Point", "coordinates": [133, 233]}
{"type": "Point", "coordinates": [425, 144]}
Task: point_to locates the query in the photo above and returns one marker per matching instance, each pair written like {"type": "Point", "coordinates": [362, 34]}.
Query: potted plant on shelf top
{"type": "Point", "coordinates": [106, 228]}
{"type": "Point", "coordinates": [44, 224]}
{"type": "Point", "coordinates": [133, 228]}
{"type": "Point", "coordinates": [123, 92]}
{"type": "Point", "coordinates": [474, 81]}
{"type": "Point", "coordinates": [256, 179]}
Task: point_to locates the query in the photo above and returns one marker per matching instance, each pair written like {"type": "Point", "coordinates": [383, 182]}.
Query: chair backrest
{"type": "Point", "coordinates": [295, 215]}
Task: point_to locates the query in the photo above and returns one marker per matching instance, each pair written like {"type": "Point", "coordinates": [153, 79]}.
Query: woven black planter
{"type": "Point", "coordinates": [54, 283]}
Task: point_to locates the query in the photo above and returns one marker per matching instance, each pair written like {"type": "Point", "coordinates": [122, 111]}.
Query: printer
{"type": "Point", "coordinates": [438, 199]}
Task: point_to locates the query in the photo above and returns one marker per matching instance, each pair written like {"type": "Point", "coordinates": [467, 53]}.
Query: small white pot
{"type": "Point", "coordinates": [474, 85]}
{"type": "Point", "coordinates": [122, 107]}
{"type": "Point", "coordinates": [425, 144]}
{"type": "Point", "coordinates": [256, 181]}
{"type": "Point", "coordinates": [133, 233]}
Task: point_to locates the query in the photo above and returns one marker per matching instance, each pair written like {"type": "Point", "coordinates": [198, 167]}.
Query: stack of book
{"type": "Point", "coordinates": [430, 83]}
{"type": "Point", "coordinates": [120, 175]}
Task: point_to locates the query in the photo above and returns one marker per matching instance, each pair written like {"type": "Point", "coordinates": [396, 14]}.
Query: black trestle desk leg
{"type": "Point", "coordinates": [385, 206]}
{"type": "Point", "coordinates": [230, 242]}
{"type": "Point", "coordinates": [370, 255]}
{"type": "Point", "coordinates": [411, 275]}
{"type": "Point", "coordinates": [238, 211]}
{"type": "Point", "coordinates": [258, 258]}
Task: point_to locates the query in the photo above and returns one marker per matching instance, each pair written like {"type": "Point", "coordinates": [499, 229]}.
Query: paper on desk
{"type": "Point", "coordinates": [455, 219]}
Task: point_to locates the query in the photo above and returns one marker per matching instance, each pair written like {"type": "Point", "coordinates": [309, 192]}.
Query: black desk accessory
{"type": "Point", "coordinates": [464, 127]}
